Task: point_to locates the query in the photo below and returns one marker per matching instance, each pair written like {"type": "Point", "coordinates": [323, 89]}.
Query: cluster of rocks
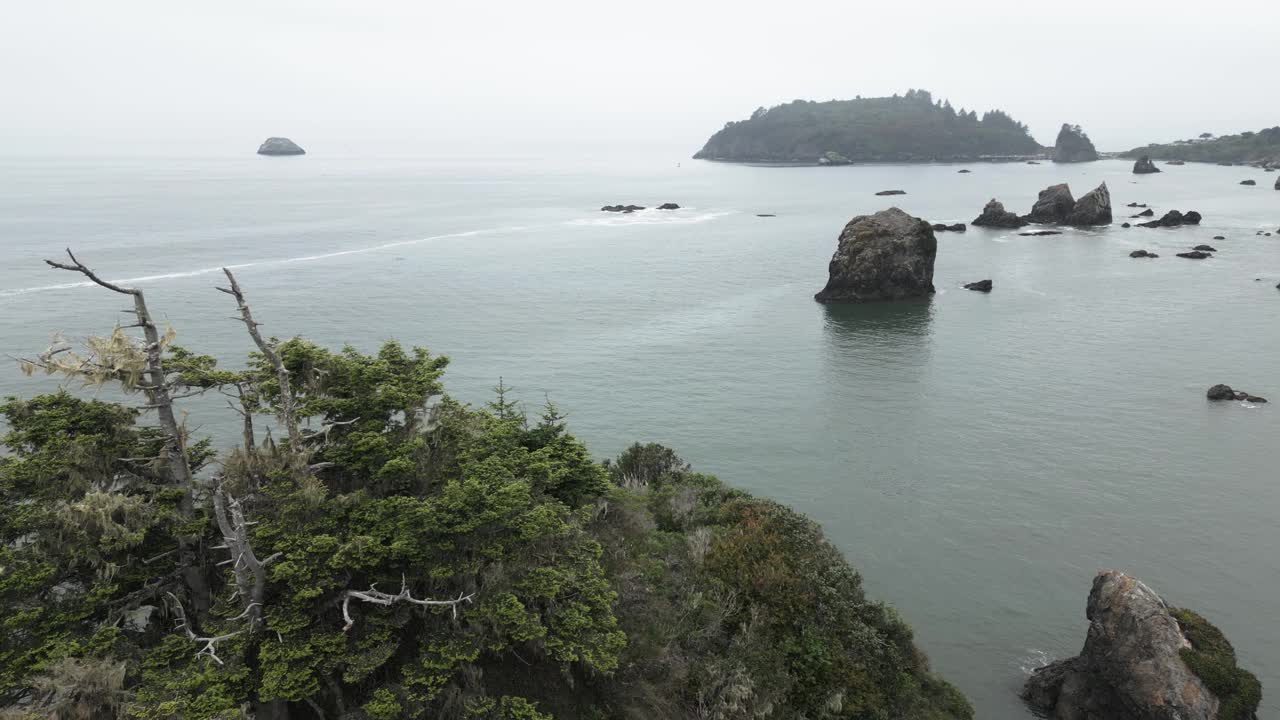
{"type": "Point", "coordinates": [885, 256]}
{"type": "Point", "coordinates": [1055, 205]}
{"type": "Point", "coordinates": [1224, 392]}
{"type": "Point", "coordinates": [1173, 218]}
{"type": "Point", "coordinates": [1132, 666]}
{"type": "Point", "coordinates": [1073, 145]}
{"type": "Point", "coordinates": [280, 146]}
{"type": "Point", "coordinates": [633, 208]}
{"type": "Point", "coordinates": [954, 227]}
{"type": "Point", "coordinates": [1144, 166]}
{"type": "Point", "coordinates": [1143, 254]}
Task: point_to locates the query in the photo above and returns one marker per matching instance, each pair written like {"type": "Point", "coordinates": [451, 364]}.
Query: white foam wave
{"type": "Point", "coordinates": [1034, 660]}
{"type": "Point", "coordinates": [258, 263]}
{"type": "Point", "coordinates": [651, 217]}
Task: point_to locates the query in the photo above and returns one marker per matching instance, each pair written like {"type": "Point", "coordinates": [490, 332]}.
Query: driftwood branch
{"type": "Point", "coordinates": [377, 597]}
{"type": "Point", "coordinates": [288, 412]}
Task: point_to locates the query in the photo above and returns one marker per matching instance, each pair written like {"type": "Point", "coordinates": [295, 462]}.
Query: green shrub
{"type": "Point", "coordinates": [1213, 660]}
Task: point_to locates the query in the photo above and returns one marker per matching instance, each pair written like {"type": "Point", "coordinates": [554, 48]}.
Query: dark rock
{"type": "Point", "coordinates": [892, 192]}
{"type": "Point", "coordinates": [1191, 218]}
{"type": "Point", "coordinates": [956, 227]}
{"type": "Point", "coordinates": [885, 256]}
{"type": "Point", "coordinates": [1131, 666]}
{"type": "Point", "coordinates": [1248, 182]}
{"type": "Point", "coordinates": [1195, 255]}
{"type": "Point", "coordinates": [1140, 254]}
{"type": "Point", "coordinates": [1093, 208]}
{"type": "Point", "coordinates": [980, 286]}
{"type": "Point", "coordinates": [1032, 162]}
{"type": "Point", "coordinates": [1205, 248]}
{"type": "Point", "coordinates": [668, 206]}
{"type": "Point", "coordinates": [1173, 218]}
{"type": "Point", "coordinates": [280, 146]}
{"type": "Point", "coordinates": [1144, 166]}
{"type": "Point", "coordinates": [1146, 213]}
{"type": "Point", "coordinates": [994, 215]}
{"type": "Point", "coordinates": [962, 172]}
{"type": "Point", "coordinates": [1136, 205]}
{"type": "Point", "coordinates": [1175, 162]}
{"type": "Point", "coordinates": [1126, 225]}
{"type": "Point", "coordinates": [1218, 237]}
{"type": "Point", "coordinates": [765, 215]}
{"type": "Point", "coordinates": [1255, 399]}
{"type": "Point", "coordinates": [1053, 206]}
{"type": "Point", "coordinates": [1040, 233]}
{"type": "Point", "coordinates": [621, 208]}
{"type": "Point", "coordinates": [1278, 183]}
{"type": "Point", "coordinates": [1073, 145]}
{"type": "Point", "coordinates": [1221, 392]}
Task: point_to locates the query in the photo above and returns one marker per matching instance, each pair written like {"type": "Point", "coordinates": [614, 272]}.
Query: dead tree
{"type": "Point", "coordinates": [250, 573]}
{"type": "Point", "coordinates": [377, 597]}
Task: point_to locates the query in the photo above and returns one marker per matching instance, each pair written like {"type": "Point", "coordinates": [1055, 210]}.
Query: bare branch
{"type": "Point", "coordinates": [80, 267]}
{"type": "Point", "coordinates": [210, 643]}
{"type": "Point", "coordinates": [377, 597]}
{"type": "Point", "coordinates": [288, 414]}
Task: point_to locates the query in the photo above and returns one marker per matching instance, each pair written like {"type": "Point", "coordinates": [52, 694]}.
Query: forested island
{"type": "Point", "coordinates": [903, 128]}
{"type": "Point", "coordinates": [1261, 147]}
{"type": "Point", "coordinates": [370, 548]}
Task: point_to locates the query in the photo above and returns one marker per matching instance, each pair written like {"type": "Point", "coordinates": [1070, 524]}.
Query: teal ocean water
{"type": "Point", "coordinates": [977, 457]}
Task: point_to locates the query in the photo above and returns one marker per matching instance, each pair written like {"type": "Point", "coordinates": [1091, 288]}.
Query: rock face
{"type": "Point", "coordinates": [1144, 166]}
{"type": "Point", "coordinates": [1073, 145]}
{"type": "Point", "coordinates": [994, 215]}
{"type": "Point", "coordinates": [1131, 667]}
{"type": "Point", "coordinates": [1053, 206]}
{"type": "Point", "coordinates": [885, 256]}
{"type": "Point", "coordinates": [1093, 208]}
{"type": "Point", "coordinates": [280, 146]}
{"type": "Point", "coordinates": [980, 286]}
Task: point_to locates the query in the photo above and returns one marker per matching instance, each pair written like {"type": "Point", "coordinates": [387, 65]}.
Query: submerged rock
{"type": "Point", "coordinates": [1218, 237]}
{"type": "Point", "coordinates": [1194, 255]}
{"type": "Point", "coordinates": [1073, 145]}
{"type": "Point", "coordinates": [1053, 205]}
{"type": "Point", "coordinates": [621, 208]}
{"type": "Point", "coordinates": [1093, 208]}
{"type": "Point", "coordinates": [1144, 166]}
{"type": "Point", "coordinates": [765, 215]}
{"type": "Point", "coordinates": [1248, 182]}
{"type": "Point", "coordinates": [954, 227]}
{"type": "Point", "coordinates": [980, 286]}
{"type": "Point", "coordinates": [280, 146]}
{"type": "Point", "coordinates": [994, 215]}
{"type": "Point", "coordinates": [1205, 248]}
{"type": "Point", "coordinates": [1142, 254]}
{"type": "Point", "coordinates": [892, 192]}
{"type": "Point", "coordinates": [1040, 233]}
{"type": "Point", "coordinates": [885, 256]}
{"type": "Point", "coordinates": [1142, 660]}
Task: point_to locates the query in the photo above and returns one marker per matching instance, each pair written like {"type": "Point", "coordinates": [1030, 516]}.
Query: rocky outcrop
{"type": "Point", "coordinates": [885, 256]}
{"type": "Point", "coordinates": [1194, 255]}
{"type": "Point", "coordinates": [1053, 206]}
{"type": "Point", "coordinates": [621, 208]}
{"type": "Point", "coordinates": [980, 286]}
{"type": "Point", "coordinates": [954, 227]}
{"type": "Point", "coordinates": [1137, 662]}
{"type": "Point", "coordinates": [1225, 392]}
{"type": "Point", "coordinates": [994, 215]}
{"type": "Point", "coordinates": [1142, 254]}
{"type": "Point", "coordinates": [1144, 166]}
{"type": "Point", "coordinates": [1073, 145]}
{"type": "Point", "coordinates": [280, 146]}
{"type": "Point", "coordinates": [668, 206]}
{"type": "Point", "coordinates": [1248, 182]}
{"type": "Point", "coordinates": [1173, 218]}
{"type": "Point", "coordinates": [1093, 208]}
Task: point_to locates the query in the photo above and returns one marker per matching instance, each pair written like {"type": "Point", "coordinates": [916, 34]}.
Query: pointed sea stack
{"type": "Point", "coordinates": [1053, 206]}
{"type": "Point", "coordinates": [1093, 208]}
{"type": "Point", "coordinates": [1144, 166]}
{"type": "Point", "coordinates": [885, 256]}
{"type": "Point", "coordinates": [1073, 146]}
{"type": "Point", "coordinates": [280, 146]}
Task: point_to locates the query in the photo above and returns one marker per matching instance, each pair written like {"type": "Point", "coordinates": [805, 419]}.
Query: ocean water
{"type": "Point", "coordinates": [977, 457]}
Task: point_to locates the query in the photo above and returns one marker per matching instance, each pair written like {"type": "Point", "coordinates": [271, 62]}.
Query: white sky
{"type": "Point", "coordinates": [227, 73]}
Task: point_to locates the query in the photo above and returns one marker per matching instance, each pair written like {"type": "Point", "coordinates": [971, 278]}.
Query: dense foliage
{"type": "Point", "coordinates": [395, 554]}
{"type": "Point", "coordinates": [908, 128]}
{"type": "Point", "coordinates": [1213, 660]}
{"type": "Point", "coordinates": [1261, 146]}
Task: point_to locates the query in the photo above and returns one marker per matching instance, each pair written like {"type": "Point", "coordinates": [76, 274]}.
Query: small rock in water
{"type": "Point", "coordinates": [1146, 213]}
{"type": "Point", "coordinates": [1125, 225]}
{"type": "Point", "coordinates": [962, 172]}
{"type": "Point", "coordinates": [1136, 205]}
{"type": "Point", "coordinates": [1194, 255]}
{"type": "Point", "coordinates": [1039, 233]}
{"type": "Point", "coordinates": [956, 227]}
{"type": "Point", "coordinates": [280, 146]}
{"type": "Point", "coordinates": [1218, 237]}
{"type": "Point", "coordinates": [980, 286]}
{"type": "Point", "coordinates": [1248, 182]}
{"type": "Point", "coordinates": [1144, 166]}
{"type": "Point", "coordinates": [668, 206]}
{"type": "Point", "coordinates": [1032, 162]}
{"type": "Point", "coordinates": [1205, 248]}
{"type": "Point", "coordinates": [1221, 392]}
{"type": "Point", "coordinates": [1174, 162]}
{"type": "Point", "coordinates": [1141, 254]}
{"type": "Point", "coordinates": [892, 192]}
{"type": "Point", "coordinates": [621, 208]}
{"type": "Point", "coordinates": [994, 215]}
{"type": "Point", "coordinates": [765, 215]}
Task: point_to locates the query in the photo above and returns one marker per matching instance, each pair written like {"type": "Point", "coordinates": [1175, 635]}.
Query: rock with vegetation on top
{"type": "Point", "coordinates": [1144, 660]}
{"type": "Point", "coordinates": [1093, 208]}
{"type": "Point", "coordinates": [994, 215]}
{"type": "Point", "coordinates": [280, 146]}
{"type": "Point", "coordinates": [885, 256]}
{"type": "Point", "coordinates": [1073, 145]}
{"type": "Point", "coordinates": [1144, 166]}
{"type": "Point", "coordinates": [1053, 206]}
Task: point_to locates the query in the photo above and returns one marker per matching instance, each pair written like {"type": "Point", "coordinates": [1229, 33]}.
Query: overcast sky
{"type": "Point", "coordinates": [198, 75]}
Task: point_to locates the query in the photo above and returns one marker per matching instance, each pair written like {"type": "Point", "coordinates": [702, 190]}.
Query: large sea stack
{"type": "Point", "coordinates": [885, 256]}
{"type": "Point", "coordinates": [1093, 208]}
{"type": "Point", "coordinates": [1073, 145]}
{"type": "Point", "coordinates": [1143, 660]}
{"type": "Point", "coordinates": [280, 146]}
{"type": "Point", "coordinates": [1144, 166]}
{"type": "Point", "coordinates": [1053, 206]}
